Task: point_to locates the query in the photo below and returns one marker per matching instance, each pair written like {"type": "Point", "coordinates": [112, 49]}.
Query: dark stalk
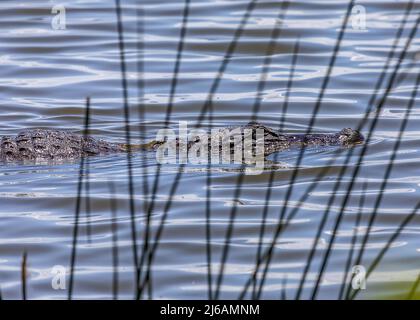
{"type": "Point", "coordinates": [140, 95]}
{"type": "Point", "coordinates": [208, 217]}
{"type": "Point", "coordinates": [295, 210]}
{"type": "Point", "coordinates": [353, 240]}
{"type": "Point", "coordinates": [114, 230]}
{"type": "Point", "coordinates": [88, 202]}
{"type": "Point", "coordinates": [324, 171]}
{"type": "Point", "coordinates": [24, 274]}
{"type": "Point", "coordinates": [124, 85]}
{"type": "Point", "coordinates": [142, 122]}
{"type": "Point", "coordinates": [390, 165]}
{"type": "Point", "coordinates": [141, 90]}
{"type": "Point", "coordinates": [78, 204]}
{"type": "Point", "coordinates": [256, 108]}
{"type": "Point", "coordinates": [389, 168]}
{"type": "Point", "coordinates": [210, 97]}
{"type": "Point", "coordinates": [285, 107]}
{"type": "Point", "coordinates": [310, 126]}
{"type": "Point", "coordinates": [283, 295]}
{"type": "Point", "coordinates": [272, 173]}
{"type": "Point", "coordinates": [174, 84]}
{"type": "Point", "coordinates": [414, 289]}
{"type": "Point", "coordinates": [226, 59]}
{"type": "Point", "coordinates": [380, 256]}
{"type": "Point", "coordinates": [356, 171]}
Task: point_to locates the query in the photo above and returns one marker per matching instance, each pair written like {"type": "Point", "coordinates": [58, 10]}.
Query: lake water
{"type": "Point", "coordinates": [48, 72]}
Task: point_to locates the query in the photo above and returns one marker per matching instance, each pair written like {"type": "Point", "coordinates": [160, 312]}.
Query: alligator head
{"type": "Point", "coordinates": [349, 136]}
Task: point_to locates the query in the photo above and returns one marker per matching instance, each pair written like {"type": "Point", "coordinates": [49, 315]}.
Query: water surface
{"type": "Point", "coordinates": [47, 75]}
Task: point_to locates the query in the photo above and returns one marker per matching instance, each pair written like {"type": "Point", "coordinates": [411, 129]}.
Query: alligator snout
{"type": "Point", "coordinates": [349, 136]}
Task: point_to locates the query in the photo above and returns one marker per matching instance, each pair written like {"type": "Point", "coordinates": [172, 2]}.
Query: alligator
{"type": "Point", "coordinates": [57, 145]}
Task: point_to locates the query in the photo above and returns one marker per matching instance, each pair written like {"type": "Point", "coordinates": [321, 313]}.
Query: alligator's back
{"type": "Point", "coordinates": [40, 144]}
